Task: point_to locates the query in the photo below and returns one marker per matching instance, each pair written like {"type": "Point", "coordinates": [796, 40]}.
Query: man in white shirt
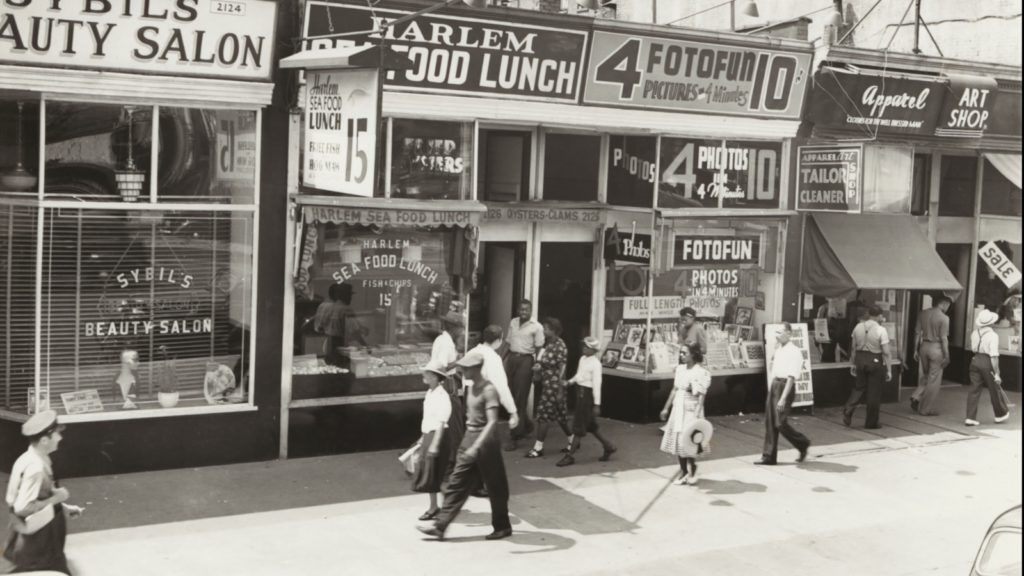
{"type": "Point", "coordinates": [984, 370]}
{"type": "Point", "coordinates": [444, 352]}
{"type": "Point", "coordinates": [588, 403]}
{"type": "Point", "coordinates": [494, 371]}
{"type": "Point", "coordinates": [871, 359]}
{"type": "Point", "coordinates": [525, 338]}
{"type": "Point", "coordinates": [787, 364]}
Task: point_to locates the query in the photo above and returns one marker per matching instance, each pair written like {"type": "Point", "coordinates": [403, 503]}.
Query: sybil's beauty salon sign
{"type": "Point", "coordinates": [216, 38]}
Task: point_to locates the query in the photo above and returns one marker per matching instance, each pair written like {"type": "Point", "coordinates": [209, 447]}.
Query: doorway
{"type": "Point", "coordinates": [501, 273]}
{"type": "Point", "coordinates": [564, 292]}
{"type": "Point", "coordinates": [958, 259]}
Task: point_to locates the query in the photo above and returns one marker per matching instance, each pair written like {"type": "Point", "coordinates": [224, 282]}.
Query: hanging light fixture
{"type": "Point", "coordinates": [130, 180]}
{"type": "Point", "coordinates": [18, 179]}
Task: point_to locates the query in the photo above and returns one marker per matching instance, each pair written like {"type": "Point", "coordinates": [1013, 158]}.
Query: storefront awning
{"type": "Point", "coordinates": [843, 253]}
{"type": "Point", "coordinates": [365, 56]}
{"type": "Point", "coordinates": [1008, 165]}
{"type": "Point", "coordinates": [381, 212]}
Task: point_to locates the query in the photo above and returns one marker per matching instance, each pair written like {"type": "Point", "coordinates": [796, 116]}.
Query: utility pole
{"type": "Point", "coordinates": [917, 26]}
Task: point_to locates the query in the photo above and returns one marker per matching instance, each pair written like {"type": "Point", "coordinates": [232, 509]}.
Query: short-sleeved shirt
{"type": "Point", "coordinates": [869, 336]}
{"type": "Point", "coordinates": [494, 372]}
{"type": "Point", "coordinates": [693, 335]}
{"type": "Point", "coordinates": [443, 351]}
{"type": "Point", "coordinates": [933, 325]}
{"type": "Point", "coordinates": [985, 341]}
{"type": "Point", "coordinates": [588, 374]}
{"type": "Point", "coordinates": [31, 478]}
{"type": "Point", "coordinates": [525, 338]}
{"type": "Point", "coordinates": [478, 404]}
{"type": "Point", "coordinates": [437, 409]}
{"type": "Point", "coordinates": [788, 362]}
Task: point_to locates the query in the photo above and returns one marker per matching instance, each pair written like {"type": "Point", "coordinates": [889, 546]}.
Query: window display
{"type": "Point", "coordinates": [830, 322]}
{"type": "Point", "coordinates": [431, 160]}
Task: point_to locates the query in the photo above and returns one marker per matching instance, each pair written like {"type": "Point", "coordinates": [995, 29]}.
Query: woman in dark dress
{"type": "Point", "coordinates": [550, 368]}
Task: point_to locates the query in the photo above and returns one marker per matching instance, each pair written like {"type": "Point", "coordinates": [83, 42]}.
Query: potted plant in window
{"type": "Point", "coordinates": [167, 381]}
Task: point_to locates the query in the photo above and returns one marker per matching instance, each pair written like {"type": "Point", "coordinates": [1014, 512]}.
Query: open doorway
{"type": "Point", "coordinates": [501, 274]}
{"type": "Point", "coordinates": [566, 277]}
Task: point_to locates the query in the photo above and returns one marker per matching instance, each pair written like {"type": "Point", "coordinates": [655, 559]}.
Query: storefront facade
{"type": "Point", "coordinates": [131, 191]}
{"type": "Point", "coordinates": [597, 167]}
{"type": "Point", "coordinates": [917, 158]}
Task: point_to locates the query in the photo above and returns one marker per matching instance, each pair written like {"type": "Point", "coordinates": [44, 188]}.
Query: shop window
{"type": "Point", "coordinates": [830, 322]}
{"type": "Point", "coordinates": [17, 305]}
{"type": "Point", "coordinates": [19, 146]}
{"type": "Point", "coordinates": [504, 166]}
{"type": "Point", "coordinates": [991, 293]}
{"type": "Point", "coordinates": [207, 156]}
{"type": "Point", "coordinates": [999, 196]}
{"type": "Point", "coordinates": [632, 170]}
{"type": "Point", "coordinates": [727, 271]}
{"type": "Point", "coordinates": [98, 152]}
{"type": "Point", "coordinates": [888, 179]}
{"type": "Point", "coordinates": [571, 164]}
{"type": "Point", "coordinates": [140, 310]}
{"type": "Point", "coordinates": [921, 192]}
{"type": "Point", "coordinates": [431, 160]}
{"type": "Point", "coordinates": [957, 185]}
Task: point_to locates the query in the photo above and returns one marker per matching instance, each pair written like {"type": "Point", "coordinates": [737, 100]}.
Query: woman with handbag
{"type": "Point", "coordinates": [685, 405]}
{"type": "Point", "coordinates": [36, 502]}
{"type": "Point", "coordinates": [549, 370]}
{"type": "Point", "coordinates": [440, 426]}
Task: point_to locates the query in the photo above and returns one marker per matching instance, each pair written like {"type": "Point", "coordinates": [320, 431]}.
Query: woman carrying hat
{"type": "Point", "coordinates": [685, 408]}
{"type": "Point", "coordinates": [442, 426]}
{"type": "Point", "coordinates": [984, 370]}
{"type": "Point", "coordinates": [36, 502]}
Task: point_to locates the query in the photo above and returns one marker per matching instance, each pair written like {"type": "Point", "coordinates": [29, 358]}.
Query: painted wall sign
{"type": "Point", "coordinates": [458, 55]}
{"type": "Point", "coordinates": [376, 216]}
{"type": "Point", "coordinates": [803, 392]}
{"type": "Point", "coordinates": [632, 170]}
{"type": "Point", "coordinates": [522, 213]}
{"type": "Point", "coordinates": [717, 174]}
{"type": "Point", "coordinates": [968, 105]}
{"type": "Point", "coordinates": [340, 137]}
{"type": "Point", "coordinates": [872, 103]}
{"type": "Point", "coordinates": [217, 38]}
{"type": "Point", "coordinates": [628, 247]}
{"type": "Point", "coordinates": [702, 250]}
{"type": "Point", "coordinates": [999, 264]}
{"type": "Point", "coordinates": [690, 76]}
{"type": "Point", "coordinates": [664, 307]}
{"type": "Point", "coordinates": [829, 178]}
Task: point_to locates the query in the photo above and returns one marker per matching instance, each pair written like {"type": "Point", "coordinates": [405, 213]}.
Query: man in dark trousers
{"type": "Point", "coordinates": [871, 367]}
{"type": "Point", "coordinates": [525, 336]}
{"type": "Point", "coordinates": [787, 363]}
{"type": "Point", "coordinates": [479, 456]}
{"type": "Point", "coordinates": [932, 353]}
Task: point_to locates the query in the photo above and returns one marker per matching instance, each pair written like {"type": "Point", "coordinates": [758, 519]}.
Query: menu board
{"type": "Point", "coordinates": [803, 395]}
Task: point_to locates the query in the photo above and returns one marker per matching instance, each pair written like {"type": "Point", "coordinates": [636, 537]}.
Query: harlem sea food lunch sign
{"type": "Point", "coordinates": [217, 38]}
{"type": "Point", "coordinates": [459, 55]}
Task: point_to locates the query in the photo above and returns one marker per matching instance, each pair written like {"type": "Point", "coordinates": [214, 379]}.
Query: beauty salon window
{"type": "Point", "coordinates": [431, 160]}
{"type": "Point", "coordinates": [571, 163]}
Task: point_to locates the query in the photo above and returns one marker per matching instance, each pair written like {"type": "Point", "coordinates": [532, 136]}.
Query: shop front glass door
{"type": "Point", "coordinates": [566, 273]}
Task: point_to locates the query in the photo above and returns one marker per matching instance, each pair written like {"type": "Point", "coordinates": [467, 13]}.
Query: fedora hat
{"type": "Point", "coordinates": [986, 318]}
{"type": "Point", "coordinates": [697, 433]}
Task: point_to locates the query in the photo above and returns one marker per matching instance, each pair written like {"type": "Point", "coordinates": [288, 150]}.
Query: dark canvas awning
{"type": "Point", "coordinates": [846, 252]}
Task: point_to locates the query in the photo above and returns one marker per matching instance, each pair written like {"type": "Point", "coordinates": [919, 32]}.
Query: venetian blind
{"type": "Point", "coordinates": [17, 304]}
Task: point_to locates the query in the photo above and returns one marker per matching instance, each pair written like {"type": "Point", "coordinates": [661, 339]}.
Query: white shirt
{"type": "Point", "coordinates": [526, 337]}
{"type": "Point", "coordinates": [443, 351]}
{"type": "Point", "coordinates": [27, 476]}
{"type": "Point", "coordinates": [588, 374]}
{"type": "Point", "coordinates": [494, 372]}
{"type": "Point", "coordinates": [437, 409]}
{"type": "Point", "coordinates": [788, 362]}
{"type": "Point", "coordinates": [985, 341]}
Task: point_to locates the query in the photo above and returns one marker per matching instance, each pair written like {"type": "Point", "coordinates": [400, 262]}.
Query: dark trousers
{"type": "Point", "coordinates": [777, 422]}
{"type": "Point", "coordinates": [981, 376]}
{"type": "Point", "coordinates": [467, 474]}
{"type": "Point", "coordinates": [519, 369]}
{"type": "Point", "coordinates": [867, 386]}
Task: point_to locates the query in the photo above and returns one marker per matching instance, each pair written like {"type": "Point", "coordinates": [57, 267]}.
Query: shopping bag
{"type": "Point", "coordinates": [410, 459]}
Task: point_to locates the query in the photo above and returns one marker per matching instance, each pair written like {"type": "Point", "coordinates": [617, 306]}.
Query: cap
{"type": "Point", "coordinates": [986, 318]}
{"type": "Point", "coordinates": [471, 359]}
{"type": "Point", "coordinates": [592, 343]}
{"type": "Point", "coordinates": [40, 423]}
{"type": "Point", "coordinates": [436, 367]}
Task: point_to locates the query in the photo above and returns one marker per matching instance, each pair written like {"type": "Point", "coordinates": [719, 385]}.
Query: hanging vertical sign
{"type": "Point", "coordinates": [340, 141]}
{"type": "Point", "coordinates": [829, 178]}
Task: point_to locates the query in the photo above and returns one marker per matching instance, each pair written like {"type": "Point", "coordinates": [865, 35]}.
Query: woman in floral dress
{"type": "Point", "coordinates": [550, 368]}
{"type": "Point", "coordinates": [684, 405]}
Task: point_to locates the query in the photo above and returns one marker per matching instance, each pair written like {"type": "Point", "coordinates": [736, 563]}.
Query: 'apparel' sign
{"type": "Point", "coordinates": [457, 55]}
{"type": "Point", "coordinates": [700, 250]}
{"type": "Point", "coordinates": [220, 38]}
{"type": "Point", "coordinates": [829, 178]}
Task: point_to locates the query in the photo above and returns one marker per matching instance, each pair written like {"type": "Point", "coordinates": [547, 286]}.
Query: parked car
{"type": "Point", "coordinates": [1000, 552]}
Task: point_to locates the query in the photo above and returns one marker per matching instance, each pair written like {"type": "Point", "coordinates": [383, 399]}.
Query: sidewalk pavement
{"type": "Point", "coordinates": [354, 513]}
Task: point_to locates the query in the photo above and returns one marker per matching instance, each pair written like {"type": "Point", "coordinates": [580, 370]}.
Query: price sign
{"type": "Point", "coordinates": [342, 116]}
{"type": "Point", "coordinates": [719, 174]}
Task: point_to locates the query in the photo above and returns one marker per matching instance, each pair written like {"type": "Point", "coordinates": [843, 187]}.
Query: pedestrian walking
{"type": "Point", "coordinates": [479, 457]}
{"type": "Point", "coordinates": [931, 351]}
{"type": "Point", "coordinates": [684, 407]}
{"type": "Point", "coordinates": [588, 403]}
{"type": "Point", "coordinates": [871, 364]}
{"type": "Point", "coordinates": [37, 503]}
{"type": "Point", "coordinates": [525, 337]}
{"type": "Point", "coordinates": [787, 363]}
{"type": "Point", "coordinates": [494, 372]}
{"type": "Point", "coordinates": [550, 370]}
{"type": "Point", "coordinates": [984, 370]}
{"type": "Point", "coordinates": [442, 432]}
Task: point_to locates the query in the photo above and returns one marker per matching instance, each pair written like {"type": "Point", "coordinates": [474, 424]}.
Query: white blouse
{"type": "Point", "coordinates": [437, 409]}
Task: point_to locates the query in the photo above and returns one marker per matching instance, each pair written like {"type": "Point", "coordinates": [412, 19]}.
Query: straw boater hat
{"type": "Point", "coordinates": [697, 433]}
{"type": "Point", "coordinates": [592, 343]}
{"type": "Point", "coordinates": [436, 367]}
{"type": "Point", "coordinates": [40, 424]}
{"type": "Point", "coordinates": [986, 318]}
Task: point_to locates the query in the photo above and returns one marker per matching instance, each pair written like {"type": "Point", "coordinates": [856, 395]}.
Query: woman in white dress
{"type": "Point", "coordinates": [684, 405]}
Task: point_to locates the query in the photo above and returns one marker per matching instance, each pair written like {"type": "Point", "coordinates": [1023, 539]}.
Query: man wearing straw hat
{"type": "Point", "coordinates": [984, 370]}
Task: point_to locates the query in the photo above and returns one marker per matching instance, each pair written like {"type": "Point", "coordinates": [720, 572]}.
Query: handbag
{"type": "Point", "coordinates": [410, 459]}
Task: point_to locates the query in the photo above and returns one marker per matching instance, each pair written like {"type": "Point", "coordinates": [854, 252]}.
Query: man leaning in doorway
{"type": "Point", "coordinates": [525, 337]}
{"type": "Point", "coordinates": [931, 351]}
{"type": "Point", "coordinates": [871, 363]}
{"type": "Point", "coordinates": [787, 364]}
{"type": "Point", "coordinates": [691, 331]}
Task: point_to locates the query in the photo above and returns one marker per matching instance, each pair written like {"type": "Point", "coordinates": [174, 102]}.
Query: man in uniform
{"type": "Point", "coordinates": [787, 363]}
{"type": "Point", "coordinates": [931, 351]}
{"type": "Point", "coordinates": [871, 363]}
{"type": "Point", "coordinates": [525, 337]}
